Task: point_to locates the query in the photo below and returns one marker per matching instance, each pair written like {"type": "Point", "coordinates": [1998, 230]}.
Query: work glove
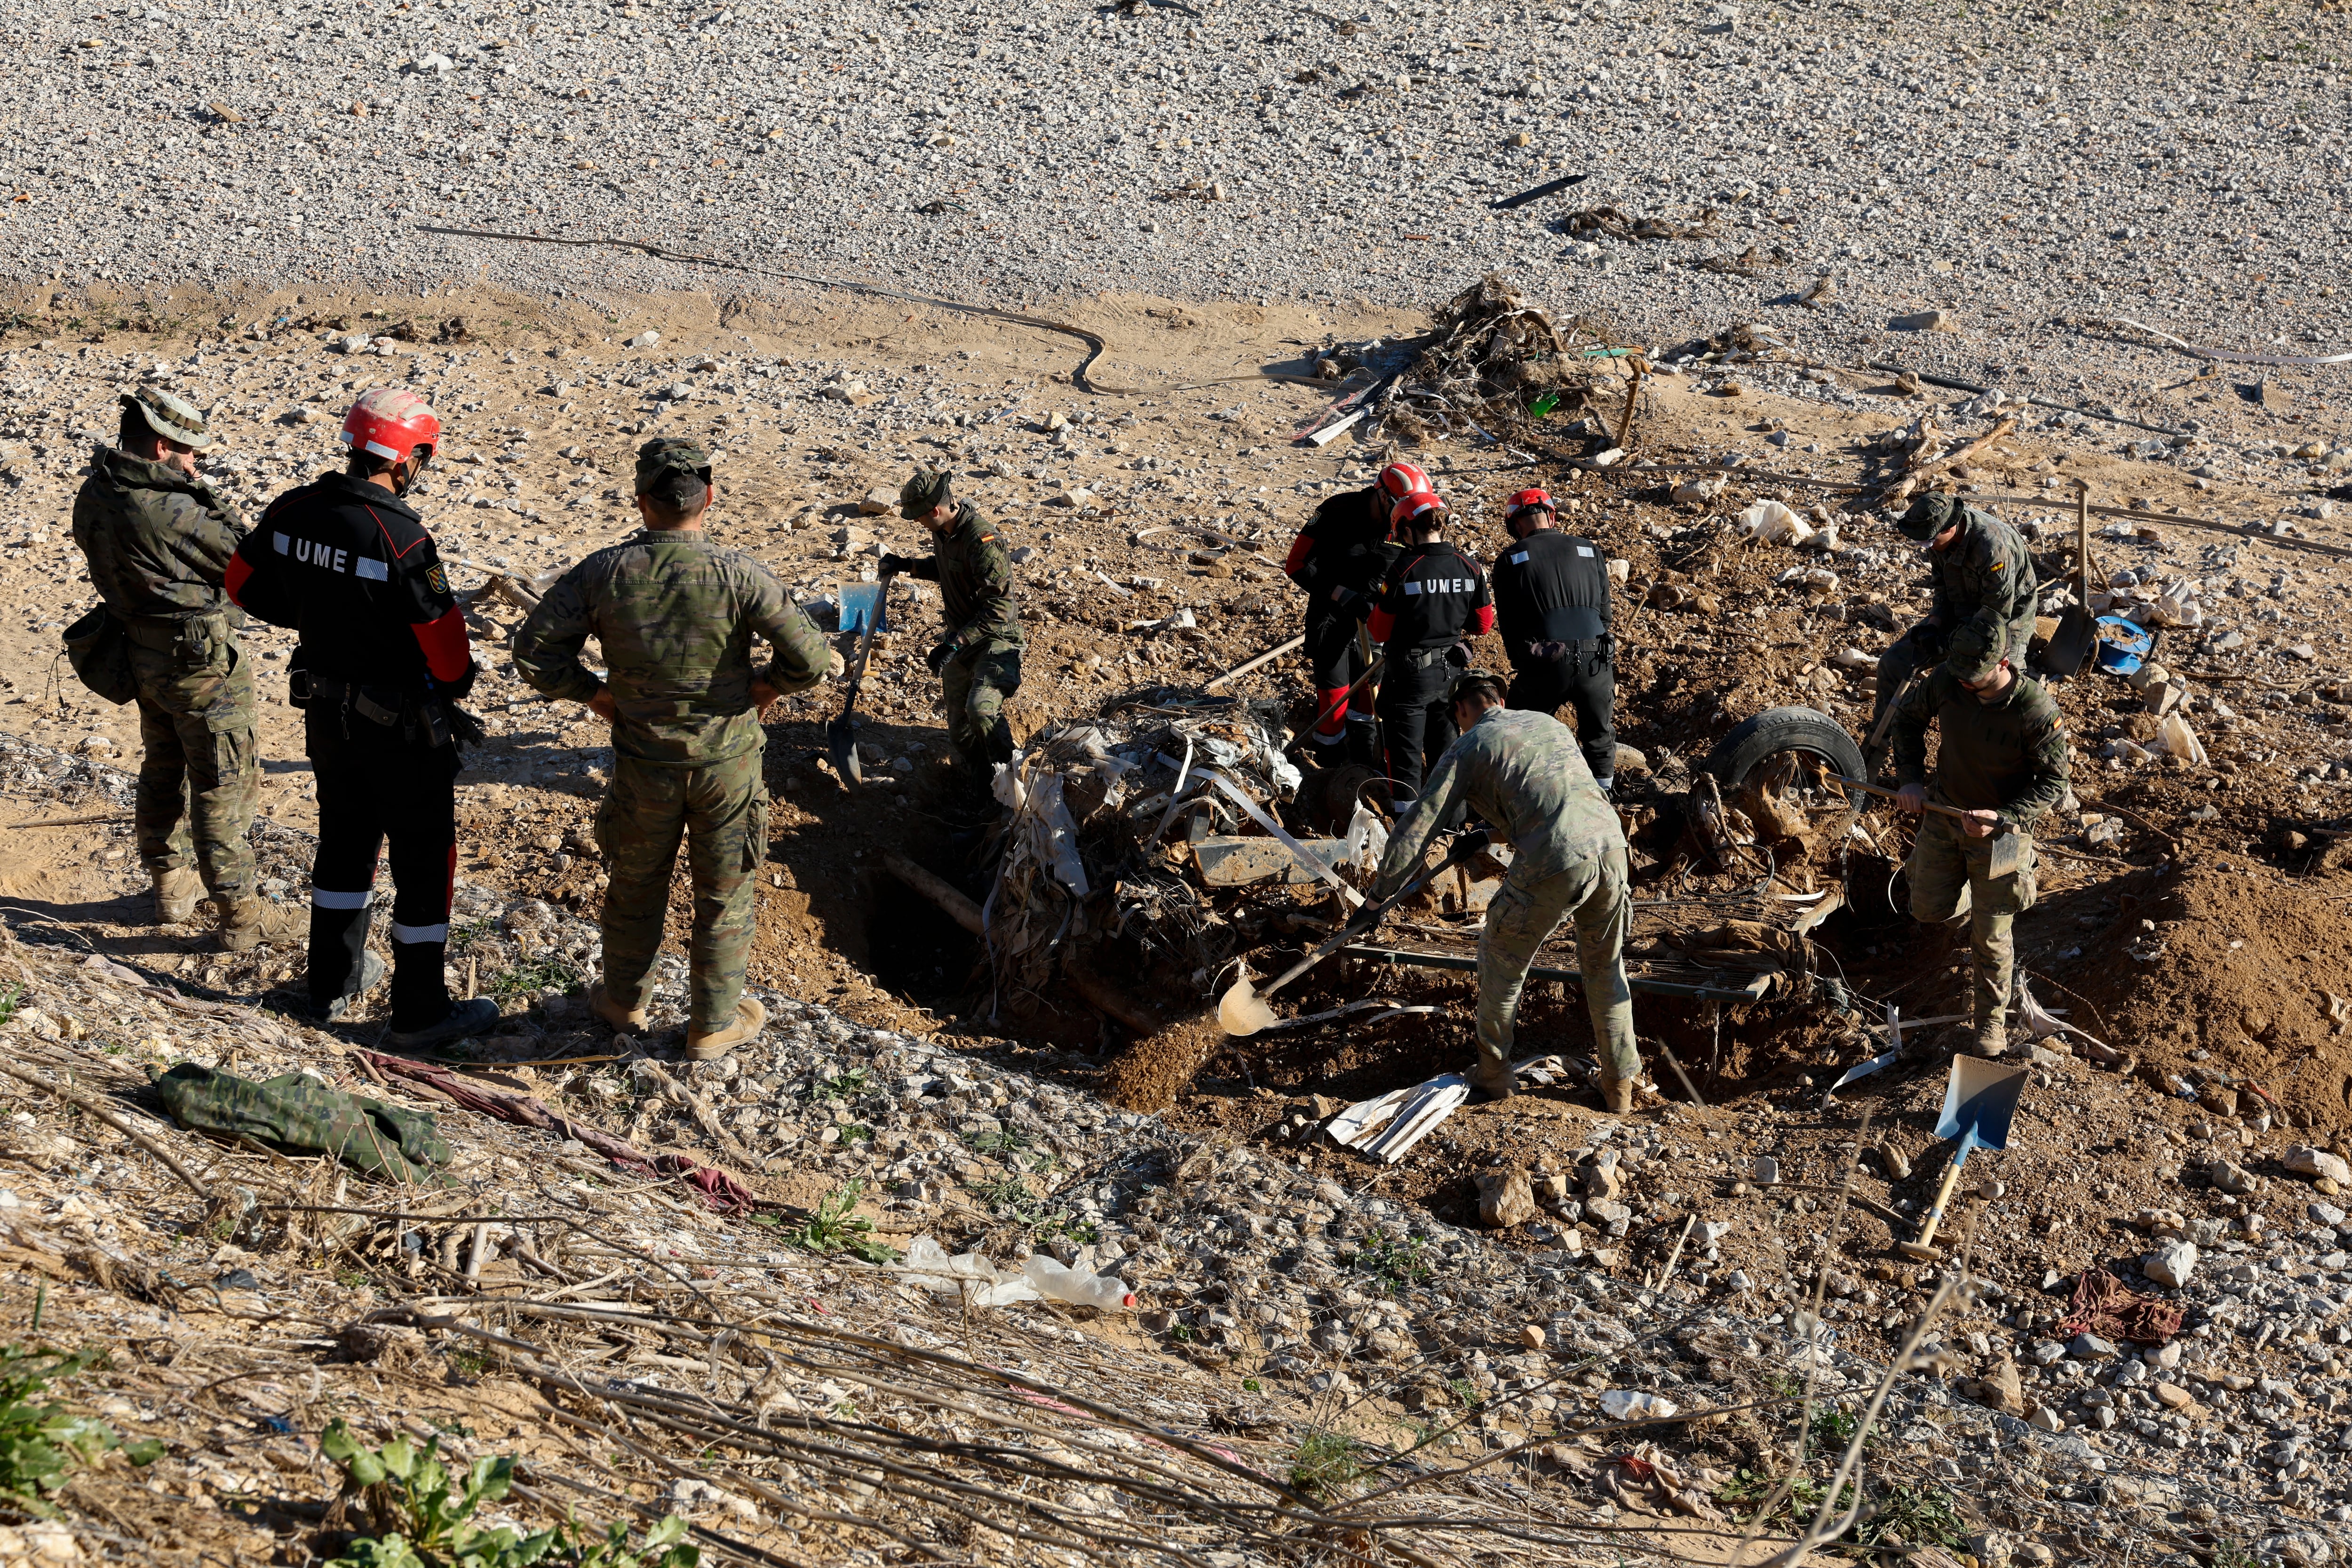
{"type": "Point", "coordinates": [1458, 655]}
{"type": "Point", "coordinates": [465, 729]}
{"type": "Point", "coordinates": [937, 657]}
{"type": "Point", "coordinates": [1930, 637]}
{"type": "Point", "coordinates": [894, 565]}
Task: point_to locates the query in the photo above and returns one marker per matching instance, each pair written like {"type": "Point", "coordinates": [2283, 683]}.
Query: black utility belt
{"type": "Point", "coordinates": [1423, 658]}
{"type": "Point", "coordinates": [388, 707]}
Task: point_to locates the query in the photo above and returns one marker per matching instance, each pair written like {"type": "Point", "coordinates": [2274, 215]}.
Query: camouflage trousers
{"type": "Point", "coordinates": [721, 811]}
{"type": "Point", "coordinates": [1951, 876]}
{"type": "Point", "coordinates": [1595, 896]}
{"type": "Point", "coordinates": [974, 690]}
{"type": "Point", "coordinates": [199, 777]}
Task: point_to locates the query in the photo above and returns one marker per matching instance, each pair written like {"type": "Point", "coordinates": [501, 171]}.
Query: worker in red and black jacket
{"type": "Point", "coordinates": [382, 662]}
{"type": "Point", "coordinates": [1340, 558]}
{"type": "Point", "coordinates": [1434, 600]}
{"type": "Point", "coordinates": [1551, 595]}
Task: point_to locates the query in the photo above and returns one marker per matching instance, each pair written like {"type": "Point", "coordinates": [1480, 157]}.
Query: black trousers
{"type": "Point", "coordinates": [1416, 710]}
{"type": "Point", "coordinates": [374, 789]}
{"type": "Point", "coordinates": [1586, 683]}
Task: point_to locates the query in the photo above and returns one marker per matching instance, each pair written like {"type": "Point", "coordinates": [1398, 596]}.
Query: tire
{"type": "Point", "coordinates": [1778, 730]}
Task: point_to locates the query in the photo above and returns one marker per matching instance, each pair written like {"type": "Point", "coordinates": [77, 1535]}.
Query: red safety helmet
{"type": "Point", "coordinates": [1414, 506]}
{"type": "Point", "coordinates": [1525, 498]}
{"type": "Point", "coordinates": [1403, 479]}
{"type": "Point", "coordinates": [390, 422]}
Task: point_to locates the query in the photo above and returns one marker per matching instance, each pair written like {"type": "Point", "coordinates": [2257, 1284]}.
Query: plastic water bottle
{"type": "Point", "coordinates": [1078, 1286]}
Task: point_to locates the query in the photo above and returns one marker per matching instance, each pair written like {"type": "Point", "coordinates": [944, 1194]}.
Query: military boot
{"type": "Point", "coordinates": [1493, 1083]}
{"type": "Point", "coordinates": [176, 892]}
{"type": "Point", "coordinates": [709, 1045]}
{"type": "Point", "coordinates": [1617, 1096]}
{"type": "Point", "coordinates": [462, 1021]}
{"type": "Point", "coordinates": [369, 976]}
{"type": "Point", "coordinates": [625, 1020]}
{"type": "Point", "coordinates": [248, 922]}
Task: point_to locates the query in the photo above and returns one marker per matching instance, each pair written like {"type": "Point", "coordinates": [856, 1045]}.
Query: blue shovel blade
{"type": "Point", "coordinates": [865, 607]}
{"type": "Point", "coordinates": [1980, 1101]}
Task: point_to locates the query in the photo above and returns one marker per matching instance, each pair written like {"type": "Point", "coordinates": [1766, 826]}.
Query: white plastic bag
{"type": "Point", "coordinates": [2178, 739]}
{"type": "Point", "coordinates": [1368, 839]}
{"type": "Point", "coordinates": [1079, 1287]}
{"type": "Point", "coordinates": [967, 1274]}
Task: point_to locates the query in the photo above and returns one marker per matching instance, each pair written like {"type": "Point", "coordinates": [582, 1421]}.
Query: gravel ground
{"type": "Point", "coordinates": [2173, 163]}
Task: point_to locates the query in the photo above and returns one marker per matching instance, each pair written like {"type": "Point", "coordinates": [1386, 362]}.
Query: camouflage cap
{"type": "Point", "coordinates": [665, 454]}
{"type": "Point", "coordinates": [1929, 516]}
{"type": "Point", "coordinates": [927, 489]}
{"type": "Point", "coordinates": [1477, 683]}
{"type": "Point", "coordinates": [1968, 658]}
{"type": "Point", "coordinates": [172, 418]}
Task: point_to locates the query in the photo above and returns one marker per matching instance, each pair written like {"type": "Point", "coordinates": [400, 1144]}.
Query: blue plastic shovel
{"type": "Point", "coordinates": [1978, 1104]}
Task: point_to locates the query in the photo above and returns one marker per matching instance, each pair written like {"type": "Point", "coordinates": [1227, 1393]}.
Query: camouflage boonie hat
{"type": "Point", "coordinates": [172, 418]}
{"type": "Point", "coordinates": [927, 489]}
{"type": "Point", "coordinates": [665, 454]}
{"type": "Point", "coordinates": [1929, 516]}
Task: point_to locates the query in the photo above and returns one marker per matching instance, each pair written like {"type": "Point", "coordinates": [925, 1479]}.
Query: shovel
{"type": "Point", "coordinates": [1978, 1103]}
{"type": "Point", "coordinates": [2008, 844]}
{"type": "Point", "coordinates": [862, 605]}
{"type": "Point", "coordinates": [1243, 1012]}
{"type": "Point", "coordinates": [2077, 632]}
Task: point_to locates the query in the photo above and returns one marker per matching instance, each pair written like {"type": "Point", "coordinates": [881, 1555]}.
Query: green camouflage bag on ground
{"type": "Point", "coordinates": [296, 1111]}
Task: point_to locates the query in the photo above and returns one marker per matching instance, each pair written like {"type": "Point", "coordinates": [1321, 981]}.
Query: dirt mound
{"type": "Point", "coordinates": [2243, 977]}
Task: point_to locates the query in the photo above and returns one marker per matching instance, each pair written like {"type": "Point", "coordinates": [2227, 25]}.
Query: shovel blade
{"type": "Point", "coordinates": [841, 744]}
{"type": "Point", "coordinates": [1980, 1101]}
{"type": "Point", "coordinates": [2008, 853]}
{"type": "Point", "coordinates": [1241, 1012]}
{"type": "Point", "coordinates": [2071, 643]}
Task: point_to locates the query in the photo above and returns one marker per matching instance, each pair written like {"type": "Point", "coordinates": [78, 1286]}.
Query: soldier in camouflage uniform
{"type": "Point", "coordinates": [158, 542]}
{"type": "Point", "coordinates": [978, 659]}
{"type": "Point", "coordinates": [1984, 596]}
{"type": "Point", "coordinates": [675, 615]}
{"type": "Point", "coordinates": [2003, 761]}
{"type": "Point", "coordinates": [1523, 774]}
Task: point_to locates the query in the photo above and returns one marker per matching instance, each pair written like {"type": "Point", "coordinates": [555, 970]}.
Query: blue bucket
{"type": "Point", "coordinates": [2122, 644]}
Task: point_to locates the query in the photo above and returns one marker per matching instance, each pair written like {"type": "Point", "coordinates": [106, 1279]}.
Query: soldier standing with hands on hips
{"type": "Point", "coordinates": [1551, 603]}
{"type": "Point", "coordinates": [978, 656]}
{"type": "Point", "coordinates": [674, 616]}
{"type": "Point", "coordinates": [159, 543]}
{"type": "Point", "coordinates": [382, 662]}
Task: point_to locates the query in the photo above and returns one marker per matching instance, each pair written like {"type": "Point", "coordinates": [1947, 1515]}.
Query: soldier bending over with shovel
{"type": "Point", "coordinates": [1523, 775]}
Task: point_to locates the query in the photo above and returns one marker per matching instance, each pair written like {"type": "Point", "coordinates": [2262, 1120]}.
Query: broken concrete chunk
{"type": "Point", "coordinates": [1764, 1170]}
{"type": "Point", "coordinates": [878, 500]}
{"type": "Point", "coordinates": [1920, 321]}
{"type": "Point", "coordinates": [2230, 1177]}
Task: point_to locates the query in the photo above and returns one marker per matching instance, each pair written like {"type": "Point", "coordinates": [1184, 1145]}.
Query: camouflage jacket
{"type": "Point", "coordinates": [1984, 587]}
{"type": "Point", "coordinates": [675, 615]}
{"type": "Point", "coordinates": [158, 543]}
{"type": "Point", "coordinates": [294, 1111]}
{"type": "Point", "coordinates": [1522, 773]}
{"type": "Point", "coordinates": [2008, 756]}
{"type": "Point", "coordinates": [975, 579]}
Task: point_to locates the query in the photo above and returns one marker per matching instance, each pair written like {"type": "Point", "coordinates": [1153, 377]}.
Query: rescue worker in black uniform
{"type": "Point", "coordinates": [383, 660]}
{"type": "Point", "coordinates": [1551, 600]}
{"type": "Point", "coordinates": [1340, 559]}
{"type": "Point", "coordinates": [1433, 599]}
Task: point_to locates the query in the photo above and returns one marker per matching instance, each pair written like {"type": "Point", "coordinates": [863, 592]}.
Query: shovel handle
{"type": "Point", "coordinates": [1345, 698]}
{"type": "Point", "coordinates": [1927, 804]}
{"type": "Point", "coordinates": [1373, 913]}
{"type": "Point", "coordinates": [1943, 1195]}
